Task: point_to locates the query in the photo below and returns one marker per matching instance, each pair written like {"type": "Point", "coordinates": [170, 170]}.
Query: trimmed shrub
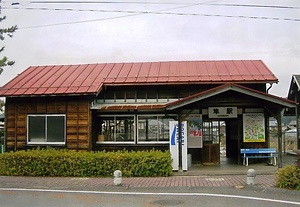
{"type": "Point", "coordinates": [288, 177]}
{"type": "Point", "coordinates": [51, 162]}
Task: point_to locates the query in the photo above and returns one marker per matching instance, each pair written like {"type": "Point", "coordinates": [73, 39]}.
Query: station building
{"type": "Point", "coordinates": [116, 106]}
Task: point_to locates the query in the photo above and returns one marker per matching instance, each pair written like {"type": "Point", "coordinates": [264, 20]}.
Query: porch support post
{"type": "Point", "coordinates": [179, 140]}
{"type": "Point", "coordinates": [279, 139]}
{"type": "Point", "coordinates": [297, 109]}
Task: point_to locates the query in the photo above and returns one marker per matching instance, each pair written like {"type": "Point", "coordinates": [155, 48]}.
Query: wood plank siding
{"type": "Point", "coordinates": [76, 110]}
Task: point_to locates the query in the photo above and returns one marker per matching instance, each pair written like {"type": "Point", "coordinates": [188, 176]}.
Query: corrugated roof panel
{"type": "Point", "coordinates": [56, 72]}
{"type": "Point", "coordinates": [153, 72]}
{"type": "Point", "coordinates": [51, 90]}
{"type": "Point", "coordinates": [93, 72]}
{"type": "Point", "coordinates": [213, 72]}
{"type": "Point", "coordinates": [122, 77]}
{"type": "Point", "coordinates": [183, 71]}
{"type": "Point", "coordinates": [125, 70]}
{"type": "Point", "coordinates": [20, 79]}
{"type": "Point", "coordinates": [20, 91]}
{"type": "Point", "coordinates": [102, 76]}
{"type": "Point", "coordinates": [70, 75]}
{"type": "Point", "coordinates": [64, 74]}
{"type": "Point", "coordinates": [233, 71]}
{"type": "Point", "coordinates": [61, 90]}
{"type": "Point", "coordinates": [25, 79]}
{"type": "Point", "coordinates": [94, 88]}
{"type": "Point", "coordinates": [264, 70]}
{"type": "Point", "coordinates": [114, 73]}
{"type": "Point", "coordinates": [82, 74]}
{"type": "Point", "coordinates": [221, 68]}
{"type": "Point", "coordinates": [202, 71]}
{"type": "Point", "coordinates": [246, 75]}
{"type": "Point", "coordinates": [83, 89]}
{"type": "Point", "coordinates": [40, 91]}
{"type": "Point", "coordinates": [223, 71]}
{"type": "Point", "coordinates": [72, 89]}
{"type": "Point", "coordinates": [174, 72]}
{"type": "Point", "coordinates": [30, 91]}
{"type": "Point", "coordinates": [10, 92]}
{"type": "Point", "coordinates": [42, 74]}
{"type": "Point", "coordinates": [192, 68]}
{"type": "Point", "coordinates": [134, 72]}
{"type": "Point", "coordinates": [251, 68]}
{"type": "Point", "coordinates": [164, 72]}
{"type": "Point", "coordinates": [144, 71]}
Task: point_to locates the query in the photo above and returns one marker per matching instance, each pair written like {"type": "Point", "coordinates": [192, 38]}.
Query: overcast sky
{"type": "Point", "coordinates": [52, 33]}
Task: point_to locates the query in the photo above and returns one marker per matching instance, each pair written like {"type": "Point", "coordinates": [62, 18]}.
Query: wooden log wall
{"type": "Point", "coordinates": [78, 120]}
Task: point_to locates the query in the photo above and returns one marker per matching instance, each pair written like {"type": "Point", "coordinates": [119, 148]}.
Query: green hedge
{"type": "Point", "coordinates": [51, 162]}
{"type": "Point", "coordinates": [289, 176]}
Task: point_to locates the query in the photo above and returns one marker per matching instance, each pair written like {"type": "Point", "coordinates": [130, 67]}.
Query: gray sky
{"type": "Point", "coordinates": [173, 30]}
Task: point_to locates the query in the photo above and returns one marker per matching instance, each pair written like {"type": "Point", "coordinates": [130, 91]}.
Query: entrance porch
{"type": "Point", "coordinates": [229, 167]}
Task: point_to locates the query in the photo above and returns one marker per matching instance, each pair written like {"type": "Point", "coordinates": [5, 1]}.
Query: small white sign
{"type": "Point", "coordinates": [222, 112]}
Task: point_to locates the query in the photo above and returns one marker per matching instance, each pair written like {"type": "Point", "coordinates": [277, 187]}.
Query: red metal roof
{"type": "Point", "coordinates": [89, 78]}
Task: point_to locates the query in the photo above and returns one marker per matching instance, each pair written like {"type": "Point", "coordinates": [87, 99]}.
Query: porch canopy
{"type": "Point", "coordinates": [247, 98]}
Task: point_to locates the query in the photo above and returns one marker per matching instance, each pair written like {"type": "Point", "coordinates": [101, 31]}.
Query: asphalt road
{"type": "Point", "coordinates": [204, 197]}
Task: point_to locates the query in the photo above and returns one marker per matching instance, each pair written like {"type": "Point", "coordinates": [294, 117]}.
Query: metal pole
{"type": "Point", "coordinates": [279, 140]}
{"type": "Point", "coordinates": [284, 143]}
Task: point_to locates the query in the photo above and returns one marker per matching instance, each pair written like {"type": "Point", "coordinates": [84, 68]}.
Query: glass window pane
{"type": "Point", "coordinates": [124, 129]}
{"type": "Point", "coordinates": [55, 128]}
{"type": "Point", "coordinates": [163, 129]}
{"type": "Point", "coordinates": [142, 129]}
{"type": "Point", "coordinates": [147, 128]}
{"type": "Point", "coordinates": [108, 126]}
{"type": "Point", "coordinates": [153, 128]}
{"type": "Point", "coordinates": [36, 129]}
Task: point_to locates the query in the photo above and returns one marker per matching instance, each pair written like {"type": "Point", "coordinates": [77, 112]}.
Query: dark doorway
{"type": "Point", "coordinates": [233, 130]}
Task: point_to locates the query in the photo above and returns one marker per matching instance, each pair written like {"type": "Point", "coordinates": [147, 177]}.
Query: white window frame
{"type": "Point", "coordinates": [45, 142]}
{"type": "Point", "coordinates": [118, 142]}
{"type": "Point", "coordinates": [150, 142]}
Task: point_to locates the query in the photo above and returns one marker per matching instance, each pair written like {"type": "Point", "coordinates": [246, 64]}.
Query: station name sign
{"type": "Point", "coordinates": [222, 112]}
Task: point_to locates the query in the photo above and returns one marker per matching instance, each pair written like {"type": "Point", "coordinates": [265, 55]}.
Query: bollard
{"type": "Point", "coordinates": [117, 177]}
{"type": "Point", "coordinates": [251, 173]}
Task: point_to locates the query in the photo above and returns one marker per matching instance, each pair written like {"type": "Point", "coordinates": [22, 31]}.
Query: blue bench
{"type": "Point", "coordinates": [259, 153]}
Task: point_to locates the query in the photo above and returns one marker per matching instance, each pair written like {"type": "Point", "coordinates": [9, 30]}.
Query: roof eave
{"type": "Point", "coordinates": [221, 89]}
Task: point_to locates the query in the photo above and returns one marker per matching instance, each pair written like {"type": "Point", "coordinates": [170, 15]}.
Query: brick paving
{"type": "Point", "coordinates": [263, 181]}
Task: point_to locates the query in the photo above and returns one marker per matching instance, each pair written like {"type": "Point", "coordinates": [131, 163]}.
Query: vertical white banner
{"type": "Point", "coordinates": [174, 138]}
{"type": "Point", "coordinates": [173, 126]}
{"type": "Point", "coordinates": [184, 136]}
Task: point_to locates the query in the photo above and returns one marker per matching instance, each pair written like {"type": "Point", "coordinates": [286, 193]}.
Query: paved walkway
{"type": "Point", "coordinates": [263, 181]}
{"type": "Point", "coordinates": [211, 176]}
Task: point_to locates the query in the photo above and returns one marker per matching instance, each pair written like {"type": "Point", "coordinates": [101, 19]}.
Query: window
{"type": "Point", "coordinates": [46, 129]}
{"type": "Point", "coordinates": [117, 129]}
{"type": "Point", "coordinates": [153, 128]}
{"type": "Point", "coordinates": [211, 131]}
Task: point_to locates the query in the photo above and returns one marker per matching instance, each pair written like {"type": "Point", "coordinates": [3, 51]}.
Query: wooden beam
{"type": "Point", "coordinates": [279, 140]}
